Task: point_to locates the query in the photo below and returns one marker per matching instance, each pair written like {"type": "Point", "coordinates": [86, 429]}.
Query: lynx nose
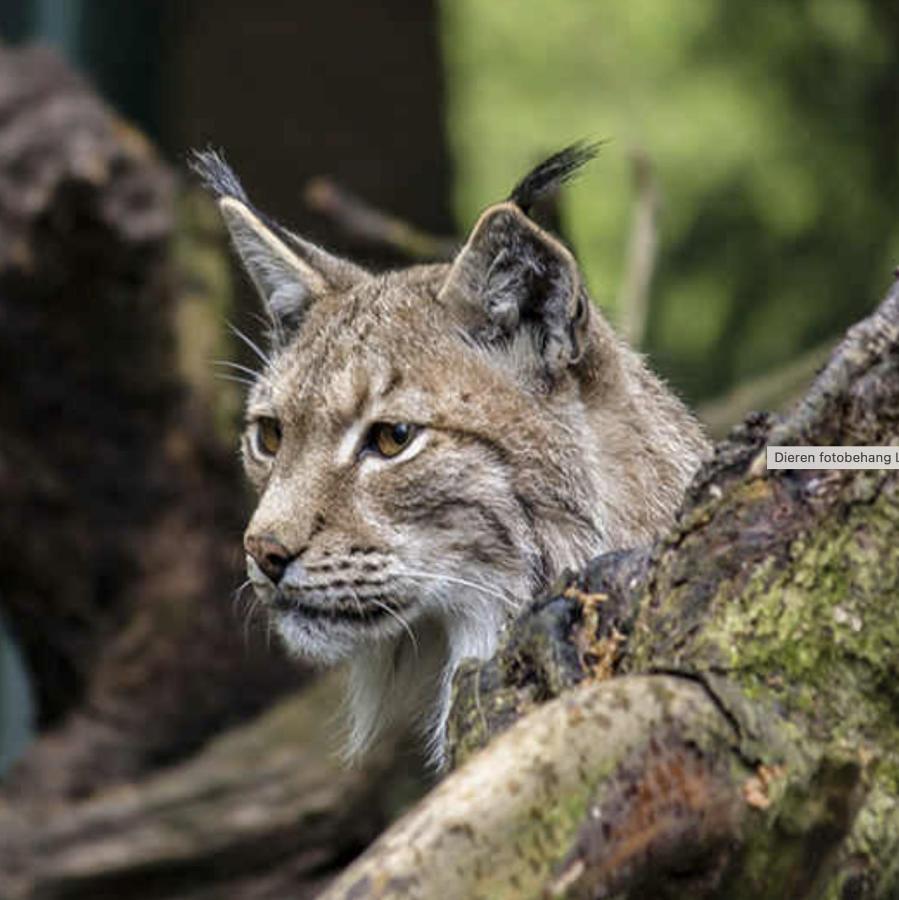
{"type": "Point", "coordinates": [270, 554]}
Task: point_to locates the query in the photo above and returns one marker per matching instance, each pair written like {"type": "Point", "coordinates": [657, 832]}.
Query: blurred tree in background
{"type": "Point", "coordinates": [772, 129]}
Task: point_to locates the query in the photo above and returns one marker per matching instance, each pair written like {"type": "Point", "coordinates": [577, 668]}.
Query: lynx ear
{"type": "Point", "coordinates": [288, 272]}
{"type": "Point", "coordinates": [511, 276]}
{"type": "Point", "coordinates": [286, 284]}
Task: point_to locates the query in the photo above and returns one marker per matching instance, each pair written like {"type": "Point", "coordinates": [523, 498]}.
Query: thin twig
{"type": "Point", "coordinates": [642, 251]}
{"type": "Point", "coordinates": [363, 222]}
{"type": "Point", "coordinates": [773, 390]}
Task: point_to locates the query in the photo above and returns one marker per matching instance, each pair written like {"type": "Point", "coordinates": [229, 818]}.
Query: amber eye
{"type": "Point", "coordinates": [268, 436]}
{"type": "Point", "coordinates": [391, 438]}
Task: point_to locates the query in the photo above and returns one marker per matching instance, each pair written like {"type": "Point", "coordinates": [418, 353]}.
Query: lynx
{"type": "Point", "coordinates": [432, 446]}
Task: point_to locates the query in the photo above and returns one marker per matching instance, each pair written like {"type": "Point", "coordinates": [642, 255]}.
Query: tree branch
{"type": "Point", "coordinates": [579, 796]}
{"type": "Point", "coordinates": [120, 500]}
{"type": "Point", "coordinates": [771, 391]}
{"type": "Point", "coordinates": [363, 222]}
{"type": "Point", "coordinates": [642, 250]}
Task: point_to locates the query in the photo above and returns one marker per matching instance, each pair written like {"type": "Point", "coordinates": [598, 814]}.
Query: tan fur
{"type": "Point", "coordinates": [543, 440]}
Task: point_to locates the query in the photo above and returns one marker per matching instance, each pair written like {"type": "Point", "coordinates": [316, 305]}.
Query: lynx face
{"type": "Point", "coordinates": [432, 446]}
{"type": "Point", "coordinates": [386, 496]}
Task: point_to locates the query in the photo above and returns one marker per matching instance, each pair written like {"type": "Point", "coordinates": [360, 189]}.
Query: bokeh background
{"type": "Point", "coordinates": [741, 213]}
{"type": "Point", "coordinates": [771, 130]}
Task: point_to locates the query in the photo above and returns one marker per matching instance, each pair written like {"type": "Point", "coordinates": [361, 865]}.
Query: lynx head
{"type": "Point", "coordinates": [431, 446]}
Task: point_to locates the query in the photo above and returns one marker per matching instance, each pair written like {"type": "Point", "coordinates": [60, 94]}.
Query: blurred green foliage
{"type": "Point", "coordinates": [773, 132]}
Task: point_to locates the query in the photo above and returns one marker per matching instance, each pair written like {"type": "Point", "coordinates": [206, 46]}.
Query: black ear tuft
{"type": "Point", "coordinates": [290, 273]}
{"type": "Point", "coordinates": [216, 174]}
{"type": "Point", "coordinates": [552, 172]}
{"type": "Point", "coordinates": [512, 278]}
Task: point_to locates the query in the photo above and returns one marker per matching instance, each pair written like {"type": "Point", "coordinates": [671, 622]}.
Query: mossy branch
{"type": "Point", "coordinates": [725, 717]}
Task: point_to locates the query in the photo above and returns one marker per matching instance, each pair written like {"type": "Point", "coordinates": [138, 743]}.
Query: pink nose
{"type": "Point", "coordinates": [270, 554]}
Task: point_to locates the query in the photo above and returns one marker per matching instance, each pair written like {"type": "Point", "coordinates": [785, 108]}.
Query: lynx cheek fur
{"type": "Point", "coordinates": [432, 446]}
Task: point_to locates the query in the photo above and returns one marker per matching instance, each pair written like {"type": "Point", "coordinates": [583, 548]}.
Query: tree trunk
{"type": "Point", "coordinates": [121, 498]}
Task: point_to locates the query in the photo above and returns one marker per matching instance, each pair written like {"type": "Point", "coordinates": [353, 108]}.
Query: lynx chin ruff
{"type": "Point", "coordinates": [432, 446]}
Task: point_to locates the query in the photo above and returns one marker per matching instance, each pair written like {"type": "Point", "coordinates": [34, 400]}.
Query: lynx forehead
{"type": "Point", "coordinates": [432, 446]}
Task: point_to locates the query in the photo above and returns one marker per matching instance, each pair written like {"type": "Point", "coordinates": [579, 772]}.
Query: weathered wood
{"type": "Point", "coordinates": [530, 813]}
{"type": "Point", "coordinates": [728, 726]}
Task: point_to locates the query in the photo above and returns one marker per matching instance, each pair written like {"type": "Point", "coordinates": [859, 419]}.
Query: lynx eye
{"type": "Point", "coordinates": [268, 436]}
{"type": "Point", "coordinates": [391, 438]}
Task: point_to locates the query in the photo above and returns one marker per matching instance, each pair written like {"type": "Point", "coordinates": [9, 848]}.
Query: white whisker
{"type": "Point", "coordinates": [512, 603]}
{"type": "Point", "coordinates": [224, 377]}
{"type": "Point", "coordinates": [266, 359]}
{"type": "Point", "coordinates": [254, 605]}
{"type": "Point", "coordinates": [257, 376]}
{"type": "Point", "coordinates": [273, 325]}
{"type": "Point", "coordinates": [399, 619]}
{"type": "Point", "coordinates": [234, 365]}
{"type": "Point", "coordinates": [388, 610]}
{"type": "Point", "coordinates": [237, 596]}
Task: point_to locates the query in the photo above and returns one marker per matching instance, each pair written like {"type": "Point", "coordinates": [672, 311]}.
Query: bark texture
{"type": "Point", "coordinates": [715, 716]}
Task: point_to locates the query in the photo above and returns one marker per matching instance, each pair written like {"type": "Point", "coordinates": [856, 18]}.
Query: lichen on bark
{"type": "Point", "coordinates": [771, 604]}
